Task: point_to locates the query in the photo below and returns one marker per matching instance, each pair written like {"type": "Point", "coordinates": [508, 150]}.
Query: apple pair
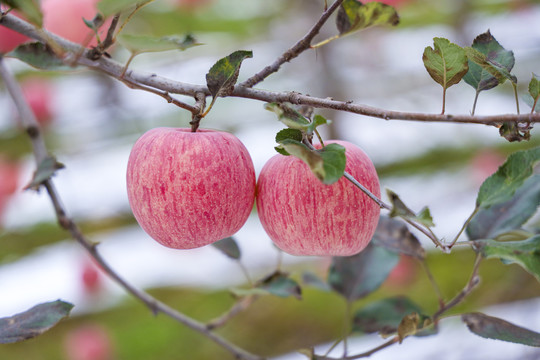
{"type": "Point", "coordinates": [190, 189]}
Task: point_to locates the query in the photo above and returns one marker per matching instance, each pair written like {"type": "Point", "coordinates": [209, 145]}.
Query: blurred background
{"type": "Point", "coordinates": [91, 122]}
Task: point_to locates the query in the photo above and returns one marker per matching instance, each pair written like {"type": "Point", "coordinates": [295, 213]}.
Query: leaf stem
{"type": "Point", "coordinates": [474, 103]}
{"type": "Point", "coordinates": [241, 305]}
{"type": "Point", "coordinates": [516, 97]}
{"type": "Point", "coordinates": [443, 101]}
{"type": "Point", "coordinates": [390, 342]}
{"type": "Point", "coordinates": [434, 284]}
{"type": "Point", "coordinates": [139, 6]}
{"type": "Point", "coordinates": [476, 209]}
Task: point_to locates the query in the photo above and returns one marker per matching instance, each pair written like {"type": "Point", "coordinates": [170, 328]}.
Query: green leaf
{"type": "Point", "coordinates": [494, 328]}
{"type": "Point", "coordinates": [229, 247]}
{"type": "Point", "coordinates": [488, 223]}
{"type": "Point", "coordinates": [395, 236]}
{"type": "Point", "coordinates": [33, 322]}
{"type": "Point", "coordinates": [280, 284]}
{"type": "Point", "coordinates": [501, 186]}
{"type": "Point", "coordinates": [534, 93]}
{"type": "Point", "coordinates": [446, 62]}
{"type": "Point", "coordinates": [282, 135]}
{"type": "Point", "coordinates": [399, 209]}
{"type": "Point", "coordinates": [39, 56]}
{"type": "Point", "coordinates": [311, 157]}
{"type": "Point", "coordinates": [289, 116]}
{"type": "Point", "coordinates": [310, 279]}
{"type": "Point", "coordinates": [525, 253]}
{"type": "Point", "coordinates": [487, 59]}
{"type": "Point", "coordinates": [30, 9]}
{"type": "Point", "coordinates": [531, 102]}
{"type": "Point", "coordinates": [110, 7]}
{"type": "Point", "coordinates": [334, 161]}
{"type": "Point", "coordinates": [224, 73]}
{"type": "Point", "coordinates": [294, 119]}
{"type": "Point", "coordinates": [46, 169]}
{"type": "Point", "coordinates": [534, 87]}
{"type": "Point", "coordinates": [142, 43]}
{"type": "Point", "coordinates": [327, 164]}
{"type": "Point", "coordinates": [353, 16]}
{"type": "Point", "coordinates": [288, 133]}
{"type": "Point", "coordinates": [355, 277]}
{"type": "Point", "coordinates": [385, 317]}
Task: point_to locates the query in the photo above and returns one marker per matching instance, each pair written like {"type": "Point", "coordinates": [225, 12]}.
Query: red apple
{"type": "Point", "coordinates": [10, 39]}
{"type": "Point", "coordinates": [303, 216]}
{"type": "Point", "coordinates": [404, 273]}
{"type": "Point", "coordinates": [38, 93]}
{"type": "Point", "coordinates": [65, 18]}
{"type": "Point", "coordinates": [192, 4]}
{"type": "Point", "coordinates": [9, 179]}
{"type": "Point", "coordinates": [484, 164]}
{"type": "Point", "coordinates": [89, 342]}
{"type": "Point", "coordinates": [190, 189]}
{"type": "Point", "coordinates": [90, 278]}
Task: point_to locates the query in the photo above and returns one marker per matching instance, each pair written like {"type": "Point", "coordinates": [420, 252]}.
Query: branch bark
{"type": "Point", "coordinates": [115, 70]}
{"type": "Point", "coordinates": [40, 152]}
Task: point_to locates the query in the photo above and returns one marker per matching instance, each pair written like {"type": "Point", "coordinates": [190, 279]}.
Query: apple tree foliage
{"type": "Point", "coordinates": [496, 228]}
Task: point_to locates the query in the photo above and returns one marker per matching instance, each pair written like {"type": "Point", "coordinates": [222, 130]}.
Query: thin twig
{"type": "Point", "coordinates": [476, 209]}
{"type": "Point", "coordinates": [114, 69]}
{"type": "Point", "coordinates": [431, 279]}
{"type": "Point", "coordinates": [237, 308]}
{"type": "Point", "coordinates": [300, 46]}
{"type": "Point", "coordinates": [390, 342]}
{"type": "Point", "coordinates": [474, 280]}
{"type": "Point", "coordinates": [40, 152]}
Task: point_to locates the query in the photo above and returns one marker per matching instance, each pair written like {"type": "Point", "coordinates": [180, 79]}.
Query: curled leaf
{"type": "Point", "coordinates": [395, 236]}
{"type": "Point", "coordinates": [33, 322]}
{"type": "Point", "coordinates": [224, 73]}
{"type": "Point", "coordinates": [229, 247]}
{"type": "Point", "coordinates": [490, 327]}
{"type": "Point", "coordinates": [353, 16]}
{"type": "Point", "coordinates": [46, 169]}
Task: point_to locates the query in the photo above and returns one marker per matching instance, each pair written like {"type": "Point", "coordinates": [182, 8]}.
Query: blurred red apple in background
{"type": "Point", "coordinates": [91, 277]}
{"type": "Point", "coordinates": [65, 18]}
{"type": "Point", "coordinates": [89, 342]}
{"type": "Point", "coordinates": [9, 180]}
{"type": "Point", "coordinates": [484, 164]}
{"type": "Point", "coordinates": [303, 216]}
{"type": "Point", "coordinates": [10, 39]}
{"type": "Point", "coordinates": [404, 273]}
{"type": "Point", "coordinates": [39, 94]}
{"type": "Point", "coordinates": [190, 189]}
{"type": "Point", "coordinates": [192, 4]}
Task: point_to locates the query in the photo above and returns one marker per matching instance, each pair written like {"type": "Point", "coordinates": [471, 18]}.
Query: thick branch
{"type": "Point", "coordinates": [298, 48]}
{"type": "Point", "coordinates": [115, 69]}
{"type": "Point", "coordinates": [40, 152]}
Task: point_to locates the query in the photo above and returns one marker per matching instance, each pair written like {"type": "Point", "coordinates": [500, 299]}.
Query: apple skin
{"type": "Point", "coordinates": [303, 216]}
{"type": "Point", "coordinates": [190, 189]}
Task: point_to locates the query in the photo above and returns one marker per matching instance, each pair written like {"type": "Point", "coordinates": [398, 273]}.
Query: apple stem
{"type": "Point", "coordinates": [197, 115]}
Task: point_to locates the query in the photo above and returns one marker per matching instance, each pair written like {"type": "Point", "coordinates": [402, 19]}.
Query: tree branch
{"type": "Point", "coordinates": [40, 152]}
{"type": "Point", "coordinates": [115, 70]}
{"type": "Point", "coordinates": [298, 48]}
